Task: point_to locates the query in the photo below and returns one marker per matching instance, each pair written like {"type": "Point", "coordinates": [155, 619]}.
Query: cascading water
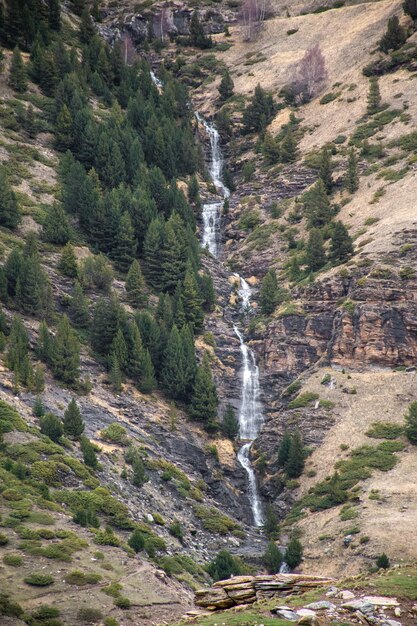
{"type": "Point", "coordinates": [250, 413]}
{"type": "Point", "coordinates": [212, 210]}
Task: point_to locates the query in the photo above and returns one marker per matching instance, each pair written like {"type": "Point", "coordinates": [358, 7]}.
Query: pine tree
{"type": "Point", "coordinates": [54, 15]}
{"type": "Point", "coordinates": [194, 192]}
{"type": "Point", "coordinates": [374, 96]}
{"type": "Point", "coordinates": [139, 477]}
{"type": "Point", "coordinates": [190, 362]}
{"type": "Point", "coordinates": [315, 254]}
{"type": "Point", "coordinates": [63, 129]}
{"type": "Point", "coordinates": [382, 561]}
{"type": "Point", "coordinates": [30, 123]}
{"type": "Point", "coordinates": [89, 453]}
{"type": "Point", "coordinates": [284, 450]}
{"type": "Point", "coordinates": [191, 300]}
{"type": "Point", "coordinates": [293, 553]}
{"type": "Point", "coordinates": [341, 244]}
{"type": "Point", "coordinates": [326, 169]}
{"type": "Point", "coordinates": [411, 424]}
{"type": "Point", "coordinates": [67, 264]}
{"type": "Point", "coordinates": [38, 384]}
{"type": "Point", "coordinates": [204, 401]}
{"type": "Point", "coordinates": [9, 211]}
{"type": "Point", "coordinates": [17, 358]}
{"type": "Point", "coordinates": [115, 375]}
{"type": "Point", "coordinates": [125, 244]}
{"type": "Point", "coordinates": [173, 374]}
{"type": "Point", "coordinates": [317, 206]}
{"type": "Point", "coordinates": [38, 407]}
{"type": "Point", "coordinates": [259, 111]}
{"type": "Point", "coordinates": [119, 349]}
{"type": "Point", "coordinates": [295, 463]}
{"type": "Point", "coordinates": [271, 149]}
{"type": "Point", "coordinates": [147, 381]}
{"type": "Point", "coordinates": [230, 424]}
{"type": "Point", "coordinates": [18, 75]}
{"type": "Point", "coordinates": [197, 35]}
{"type": "Point", "coordinates": [288, 150]}
{"type": "Point", "coordinates": [87, 29]}
{"type": "Point", "coordinates": [152, 253]}
{"type": "Point", "coordinates": [136, 540]}
{"type": "Point", "coordinates": [207, 292]}
{"type": "Point", "coordinates": [226, 86]}
{"type": "Point", "coordinates": [65, 353]}
{"type": "Point", "coordinates": [104, 325]}
{"type": "Point", "coordinates": [78, 308]}
{"type": "Point", "coordinates": [73, 422]}
{"type": "Point", "coordinates": [56, 228]}
{"type": "Point", "coordinates": [135, 286]}
{"type": "Point", "coordinates": [51, 426]}
{"type": "Point", "coordinates": [173, 254]}
{"type": "Point", "coordinates": [272, 559]}
{"type": "Point", "coordinates": [44, 344]}
{"type": "Point", "coordinates": [268, 294]}
{"type": "Point", "coordinates": [395, 36]}
{"type": "Point", "coordinates": [352, 177]}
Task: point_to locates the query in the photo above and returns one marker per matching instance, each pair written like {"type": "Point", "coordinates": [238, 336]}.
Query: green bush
{"type": "Point", "coordinates": [4, 540]}
{"type": "Point", "coordinates": [76, 577]}
{"type": "Point", "coordinates": [111, 621]}
{"type": "Point", "coordinates": [112, 590]}
{"type": "Point", "coordinates": [115, 433]}
{"type": "Point", "coordinates": [224, 566]}
{"type": "Point", "coordinates": [292, 389]}
{"type": "Point", "coordinates": [39, 580]}
{"type": "Point", "coordinates": [176, 530]}
{"type": "Point", "coordinates": [303, 400]}
{"type": "Point", "coordinates": [137, 540]}
{"type": "Point", "coordinates": [45, 612]}
{"type": "Point", "coordinates": [89, 615]}
{"type": "Point", "coordinates": [329, 97]}
{"type": "Point", "coordinates": [154, 544]}
{"type": "Point", "coordinates": [382, 561]}
{"type": "Point", "coordinates": [14, 560]}
{"type": "Point", "coordinates": [9, 608]}
{"type": "Point", "coordinates": [215, 521]}
{"type": "Point", "coordinates": [384, 430]}
{"type": "Point", "coordinates": [122, 602]}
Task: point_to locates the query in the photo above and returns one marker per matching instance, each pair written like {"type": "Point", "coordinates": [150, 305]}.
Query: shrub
{"type": "Point", "coordinates": [154, 544]}
{"type": "Point", "coordinates": [115, 433]}
{"type": "Point", "coordinates": [303, 400]}
{"type": "Point", "coordinates": [272, 559]}
{"type": "Point", "coordinates": [77, 577]}
{"type": "Point", "coordinates": [382, 561]}
{"type": "Point", "coordinates": [45, 612]}
{"type": "Point", "coordinates": [51, 426]}
{"type": "Point", "coordinates": [112, 590]}
{"type": "Point", "coordinates": [39, 580]}
{"type": "Point", "coordinates": [176, 530]}
{"type": "Point", "coordinates": [384, 430]}
{"type": "Point", "coordinates": [4, 540]}
{"type": "Point", "coordinates": [122, 602]}
{"type": "Point", "coordinates": [111, 621]}
{"type": "Point", "coordinates": [9, 608]}
{"type": "Point", "coordinates": [293, 553]}
{"type": "Point", "coordinates": [137, 540]}
{"type": "Point", "coordinates": [292, 389]}
{"type": "Point", "coordinates": [215, 521]}
{"type": "Point", "coordinates": [89, 615]}
{"type": "Point", "coordinates": [224, 566]}
{"type": "Point", "coordinates": [14, 560]}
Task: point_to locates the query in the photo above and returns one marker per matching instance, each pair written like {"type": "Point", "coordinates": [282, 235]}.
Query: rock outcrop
{"type": "Point", "coordinates": [248, 589]}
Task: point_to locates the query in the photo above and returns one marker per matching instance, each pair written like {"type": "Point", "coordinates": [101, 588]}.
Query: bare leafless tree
{"type": "Point", "coordinates": [251, 15]}
{"type": "Point", "coordinates": [310, 75]}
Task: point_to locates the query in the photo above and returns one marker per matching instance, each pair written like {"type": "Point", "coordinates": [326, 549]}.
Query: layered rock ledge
{"type": "Point", "coordinates": [248, 589]}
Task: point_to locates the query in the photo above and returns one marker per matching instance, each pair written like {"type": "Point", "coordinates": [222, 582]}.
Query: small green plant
{"type": "Point", "coordinates": [39, 580]}
{"type": "Point", "coordinates": [115, 433]}
{"type": "Point", "coordinates": [122, 602]}
{"type": "Point", "coordinates": [382, 561]}
{"type": "Point", "coordinates": [14, 560]}
{"type": "Point", "coordinates": [384, 430]}
{"type": "Point", "coordinates": [4, 540]}
{"type": "Point", "coordinates": [80, 578]}
{"type": "Point", "coordinates": [303, 400]}
{"type": "Point", "coordinates": [89, 615]}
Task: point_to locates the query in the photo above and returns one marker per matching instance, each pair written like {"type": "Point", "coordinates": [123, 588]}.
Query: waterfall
{"type": "Point", "coordinates": [155, 80]}
{"type": "Point", "coordinates": [250, 412]}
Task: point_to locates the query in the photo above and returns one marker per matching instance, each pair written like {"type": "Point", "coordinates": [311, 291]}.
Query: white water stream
{"type": "Point", "coordinates": [250, 410]}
